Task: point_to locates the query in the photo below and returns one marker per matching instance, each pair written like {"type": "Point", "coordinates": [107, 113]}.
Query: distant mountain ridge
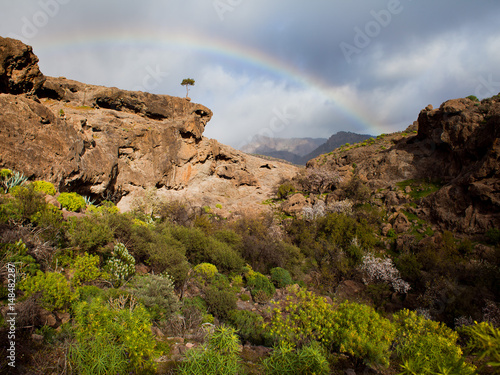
{"type": "Point", "coordinates": [300, 150]}
{"type": "Point", "coordinates": [336, 140]}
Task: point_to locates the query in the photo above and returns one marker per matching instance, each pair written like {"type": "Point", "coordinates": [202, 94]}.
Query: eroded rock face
{"type": "Point", "coordinates": [19, 71]}
{"type": "Point", "coordinates": [102, 141]}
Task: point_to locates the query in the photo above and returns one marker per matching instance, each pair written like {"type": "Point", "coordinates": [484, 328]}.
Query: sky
{"type": "Point", "coordinates": [281, 68]}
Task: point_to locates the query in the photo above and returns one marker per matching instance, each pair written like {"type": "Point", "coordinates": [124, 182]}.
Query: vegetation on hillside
{"type": "Point", "coordinates": [101, 292]}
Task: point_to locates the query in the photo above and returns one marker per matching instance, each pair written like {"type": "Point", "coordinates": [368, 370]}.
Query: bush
{"type": "Point", "coordinates": [427, 347]}
{"type": "Point", "coordinates": [484, 341]}
{"type": "Point", "coordinates": [89, 233]}
{"type": "Point", "coordinates": [258, 282]}
{"type": "Point", "coordinates": [98, 356]}
{"type": "Point", "coordinates": [249, 325]}
{"type": "Point", "coordinates": [361, 332]}
{"type": "Point", "coordinates": [86, 269]}
{"type": "Point", "coordinates": [493, 236]}
{"type": "Point", "coordinates": [27, 203]}
{"type": "Point", "coordinates": [44, 187]}
{"type": "Point", "coordinates": [160, 250]}
{"type": "Point", "coordinates": [124, 325]}
{"type": "Point", "coordinates": [71, 201]}
{"type": "Point", "coordinates": [310, 360]}
{"type": "Point", "coordinates": [18, 253]}
{"type": "Point", "coordinates": [55, 289]}
{"type": "Point", "coordinates": [284, 190]}
{"type": "Point", "coordinates": [473, 98]}
{"type": "Point", "coordinates": [220, 302]}
{"type": "Point", "coordinates": [281, 277]}
{"type": "Point", "coordinates": [157, 293]}
{"type": "Point", "coordinates": [219, 357]}
{"type": "Point", "coordinates": [204, 272]}
{"type": "Point", "coordinates": [350, 328]}
{"type": "Point", "coordinates": [121, 265]}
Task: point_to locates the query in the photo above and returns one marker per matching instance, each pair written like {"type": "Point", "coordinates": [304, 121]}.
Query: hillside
{"type": "Point", "coordinates": [131, 244]}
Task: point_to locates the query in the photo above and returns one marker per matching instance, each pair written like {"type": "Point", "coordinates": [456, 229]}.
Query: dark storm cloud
{"type": "Point", "coordinates": [384, 59]}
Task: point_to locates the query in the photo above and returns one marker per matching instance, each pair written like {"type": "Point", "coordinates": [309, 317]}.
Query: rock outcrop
{"type": "Point", "coordinates": [456, 145]}
{"type": "Point", "coordinates": [102, 142]}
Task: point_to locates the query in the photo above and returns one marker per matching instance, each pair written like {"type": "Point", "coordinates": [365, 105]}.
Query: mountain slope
{"type": "Point", "coordinates": [335, 141]}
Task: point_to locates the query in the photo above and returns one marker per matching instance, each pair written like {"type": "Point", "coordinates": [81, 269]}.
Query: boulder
{"type": "Point", "coordinates": [19, 72]}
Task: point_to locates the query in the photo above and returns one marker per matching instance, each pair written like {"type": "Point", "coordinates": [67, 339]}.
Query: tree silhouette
{"type": "Point", "coordinates": [187, 82]}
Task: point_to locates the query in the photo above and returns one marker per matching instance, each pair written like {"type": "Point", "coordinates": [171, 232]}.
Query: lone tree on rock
{"type": "Point", "coordinates": [187, 82]}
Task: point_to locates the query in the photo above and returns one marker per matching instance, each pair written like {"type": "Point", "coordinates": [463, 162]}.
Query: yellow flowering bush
{"type": "Point", "coordinates": [86, 269]}
{"type": "Point", "coordinates": [122, 322]}
{"type": "Point", "coordinates": [350, 327]}
{"type": "Point", "coordinates": [428, 347]}
{"type": "Point", "coordinates": [56, 291]}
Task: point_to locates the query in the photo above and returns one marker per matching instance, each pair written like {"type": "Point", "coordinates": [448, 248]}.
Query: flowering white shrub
{"type": "Point", "coordinates": [122, 265]}
{"type": "Point", "coordinates": [341, 207]}
{"type": "Point", "coordinates": [377, 269]}
{"type": "Point", "coordinates": [315, 212]}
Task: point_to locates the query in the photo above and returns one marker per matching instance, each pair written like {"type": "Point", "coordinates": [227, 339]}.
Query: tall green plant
{"type": "Point", "coordinates": [219, 357]}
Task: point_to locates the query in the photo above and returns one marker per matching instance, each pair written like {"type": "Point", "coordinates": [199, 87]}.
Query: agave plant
{"type": "Point", "coordinates": [16, 179]}
{"type": "Point", "coordinates": [88, 201]}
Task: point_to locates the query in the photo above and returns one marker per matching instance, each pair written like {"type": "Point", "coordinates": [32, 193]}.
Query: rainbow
{"type": "Point", "coordinates": [218, 47]}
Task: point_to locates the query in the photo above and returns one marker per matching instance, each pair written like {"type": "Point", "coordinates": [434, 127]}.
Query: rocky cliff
{"type": "Point", "coordinates": [455, 148]}
{"type": "Point", "coordinates": [102, 142]}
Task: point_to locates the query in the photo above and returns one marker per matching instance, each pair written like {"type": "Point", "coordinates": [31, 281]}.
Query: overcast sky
{"type": "Point", "coordinates": [283, 68]}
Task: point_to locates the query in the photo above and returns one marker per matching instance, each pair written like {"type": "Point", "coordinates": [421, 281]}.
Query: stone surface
{"type": "Point", "coordinates": [19, 72]}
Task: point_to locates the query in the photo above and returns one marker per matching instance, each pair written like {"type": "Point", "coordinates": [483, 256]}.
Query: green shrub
{"type": "Point", "coordinates": [284, 190]}
{"type": "Point", "coordinates": [281, 277]}
{"type": "Point", "coordinates": [258, 282]}
{"type": "Point", "coordinates": [249, 325]}
{"type": "Point", "coordinates": [103, 208]}
{"type": "Point", "coordinates": [219, 357]}
{"type": "Point", "coordinates": [44, 187]}
{"type": "Point", "coordinates": [99, 355]}
{"type": "Point", "coordinates": [220, 302]}
{"type": "Point", "coordinates": [89, 233]}
{"type": "Point", "coordinates": [157, 248]}
{"type": "Point", "coordinates": [245, 297]}
{"type": "Point", "coordinates": [157, 293]}
{"type": "Point", "coordinates": [204, 272]}
{"type": "Point", "coordinates": [427, 347]}
{"type": "Point", "coordinates": [5, 173]}
{"type": "Point", "coordinates": [484, 341]}
{"type": "Point", "coordinates": [17, 253]}
{"type": "Point", "coordinates": [55, 289]}
{"type": "Point", "coordinates": [124, 325]}
{"type": "Point", "coordinates": [27, 203]}
{"type": "Point", "coordinates": [121, 265]}
{"type": "Point", "coordinates": [71, 201]}
{"type": "Point", "coordinates": [310, 360]}
{"type": "Point", "coordinates": [473, 98]}
{"type": "Point", "coordinates": [86, 269]}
